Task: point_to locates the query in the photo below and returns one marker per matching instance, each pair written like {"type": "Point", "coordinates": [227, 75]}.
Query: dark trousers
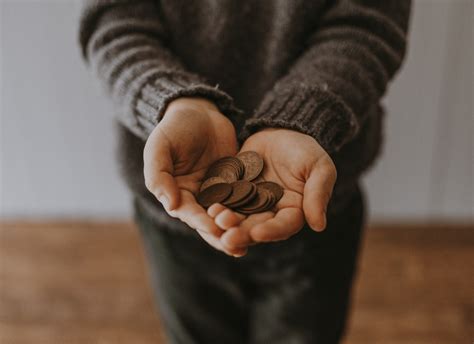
{"type": "Point", "coordinates": [290, 292]}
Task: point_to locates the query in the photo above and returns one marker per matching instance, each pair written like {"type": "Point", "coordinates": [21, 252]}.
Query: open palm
{"type": "Point", "coordinates": [306, 172]}
{"type": "Point", "coordinates": [190, 137]}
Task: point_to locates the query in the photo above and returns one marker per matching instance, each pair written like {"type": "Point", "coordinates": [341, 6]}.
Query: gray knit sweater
{"type": "Point", "coordinates": [318, 67]}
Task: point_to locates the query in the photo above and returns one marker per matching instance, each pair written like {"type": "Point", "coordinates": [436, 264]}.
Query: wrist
{"type": "Point", "coordinates": [274, 131]}
{"type": "Point", "coordinates": [277, 134]}
{"type": "Point", "coordinates": [196, 103]}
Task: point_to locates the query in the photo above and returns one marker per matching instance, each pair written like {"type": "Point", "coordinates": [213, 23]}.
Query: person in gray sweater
{"type": "Point", "coordinates": [299, 82]}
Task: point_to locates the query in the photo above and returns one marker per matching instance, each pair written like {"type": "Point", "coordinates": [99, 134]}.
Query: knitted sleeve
{"type": "Point", "coordinates": [342, 72]}
{"type": "Point", "coordinates": [124, 42]}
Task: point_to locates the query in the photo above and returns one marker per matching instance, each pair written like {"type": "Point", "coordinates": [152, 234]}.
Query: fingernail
{"type": "Point", "coordinates": [164, 200]}
{"type": "Point", "coordinates": [239, 255]}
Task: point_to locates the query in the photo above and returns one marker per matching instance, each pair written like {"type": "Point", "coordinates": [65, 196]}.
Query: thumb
{"type": "Point", "coordinates": [158, 170]}
{"type": "Point", "coordinates": [317, 193]}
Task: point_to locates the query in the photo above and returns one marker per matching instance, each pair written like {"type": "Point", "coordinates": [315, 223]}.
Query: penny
{"type": "Point", "coordinates": [274, 188]}
{"type": "Point", "coordinates": [214, 194]}
{"type": "Point", "coordinates": [258, 179]}
{"type": "Point", "coordinates": [241, 189]}
{"type": "Point", "coordinates": [270, 204]}
{"type": "Point", "coordinates": [253, 164]}
{"type": "Point", "coordinates": [239, 166]}
{"type": "Point", "coordinates": [246, 200]}
{"type": "Point", "coordinates": [211, 181]}
{"type": "Point", "coordinates": [237, 182]}
{"type": "Point", "coordinates": [259, 204]}
{"type": "Point", "coordinates": [228, 168]}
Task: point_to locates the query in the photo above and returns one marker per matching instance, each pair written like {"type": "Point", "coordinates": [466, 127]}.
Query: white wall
{"type": "Point", "coordinates": [56, 130]}
{"type": "Point", "coordinates": [427, 167]}
{"type": "Point", "coordinates": [57, 143]}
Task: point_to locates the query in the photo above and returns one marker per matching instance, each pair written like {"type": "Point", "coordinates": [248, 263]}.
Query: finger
{"type": "Point", "coordinates": [224, 217]}
{"type": "Point", "coordinates": [214, 242]}
{"type": "Point", "coordinates": [316, 195]}
{"type": "Point", "coordinates": [211, 240]}
{"type": "Point", "coordinates": [228, 218]}
{"type": "Point", "coordinates": [158, 171]}
{"type": "Point", "coordinates": [284, 224]}
{"type": "Point", "coordinates": [239, 236]}
{"type": "Point", "coordinates": [215, 210]}
{"type": "Point", "coordinates": [191, 213]}
{"type": "Point", "coordinates": [236, 237]}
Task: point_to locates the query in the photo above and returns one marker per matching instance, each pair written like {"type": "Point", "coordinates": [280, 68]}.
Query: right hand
{"type": "Point", "coordinates": [191, 135]}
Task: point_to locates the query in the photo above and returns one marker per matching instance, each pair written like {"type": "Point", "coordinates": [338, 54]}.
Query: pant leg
{"type": "Point", "coordinates": [301, 287]}
{"type": "Point", "coordinates": [195, 286]}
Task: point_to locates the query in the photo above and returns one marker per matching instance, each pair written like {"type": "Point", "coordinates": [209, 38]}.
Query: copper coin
{"type": "Point", "coordinates": [274, 188]}
{"type": "Point", "coordinates": [253, 164]}
{"type": "Point", "coordinates": [250, 197]}
{"type": "Point", "coordinates": [241, 189]}
{"type": "Point", "coordinates": [241, 167]}
{"type": "Point", "coordinates": [270, 204]}
{"type": "Point", "coordinates": [211, 181]}
{"type": "Point", "coordinates": [214, 194]}
{"type": "Point", "coordinates": [258, 205]}
{"type": "Point", "coordinates": [228, 168]}
{"type": "Point", "coordinates": [213, 170]}
{"type": "Point", "coordinates": [236, 164]}
{"type": "Point", "coordinates": [259, 179]}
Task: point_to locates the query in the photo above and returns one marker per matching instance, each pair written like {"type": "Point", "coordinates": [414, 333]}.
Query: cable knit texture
{"type": "Point", "coordinates": [295, 107]}
{"type": "Point", "coordinates": [123, 42]}
{"type": "Point", "coordinates": [318, 67]}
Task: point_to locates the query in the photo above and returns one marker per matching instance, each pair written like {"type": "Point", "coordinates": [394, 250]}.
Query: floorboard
{"type": "Point", "coordinates": [85, 282]}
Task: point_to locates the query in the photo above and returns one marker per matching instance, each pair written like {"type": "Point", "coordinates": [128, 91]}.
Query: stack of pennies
{"type": "Point", "coordinates": [233, 182]}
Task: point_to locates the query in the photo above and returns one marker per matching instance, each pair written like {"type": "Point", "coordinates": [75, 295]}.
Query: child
{"type": "Point", "coordinates": [298, 82]}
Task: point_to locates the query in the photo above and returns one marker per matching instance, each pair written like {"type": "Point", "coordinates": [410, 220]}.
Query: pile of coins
{"type": "Point", "coordinates": [233, 182]}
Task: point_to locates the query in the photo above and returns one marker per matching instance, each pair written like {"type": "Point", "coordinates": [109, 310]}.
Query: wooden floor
{"type": "Point", "coordinates": [86, 283]}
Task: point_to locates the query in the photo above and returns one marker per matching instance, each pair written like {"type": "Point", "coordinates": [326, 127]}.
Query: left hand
{"type": "Point", "coordinates": [302, 167]}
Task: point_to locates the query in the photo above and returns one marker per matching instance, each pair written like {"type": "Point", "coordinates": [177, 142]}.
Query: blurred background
{"type": "Point", "coordinates": [58, 143]}
{"type": "Point", "coordinates": [58, 179]}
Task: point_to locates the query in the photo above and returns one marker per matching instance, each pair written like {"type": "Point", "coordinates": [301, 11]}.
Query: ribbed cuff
{"type": "Point", "coordinates": [157, 94]}
{"type": "Point", "coordinates": [307, 109]}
